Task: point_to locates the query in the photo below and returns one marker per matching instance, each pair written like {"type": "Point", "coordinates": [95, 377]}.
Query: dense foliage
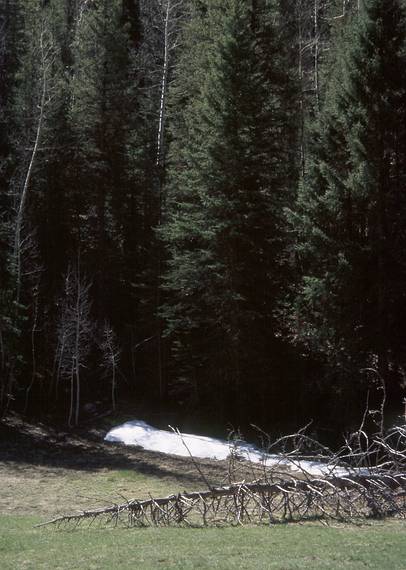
{"type": "Point", "coordinates": [202, 205]}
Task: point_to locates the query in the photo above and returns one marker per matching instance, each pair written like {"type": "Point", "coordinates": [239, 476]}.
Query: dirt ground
{"type": "Point", "coordinates": [44, 471]}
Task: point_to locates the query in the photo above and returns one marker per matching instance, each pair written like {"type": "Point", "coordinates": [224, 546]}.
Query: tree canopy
{"type": "Point", "coordinates": [202, 206]}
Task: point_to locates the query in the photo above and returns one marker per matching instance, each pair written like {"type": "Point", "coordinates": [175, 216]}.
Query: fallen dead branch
{"type": "Point", "coordinates": [339, 498]}
{"type": "Point", "coordinates": [365, 478]}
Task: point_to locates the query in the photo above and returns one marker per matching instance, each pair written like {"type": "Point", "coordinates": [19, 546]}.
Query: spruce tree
{"type": "Point", "coordinates": [226, 190]}
{"type": "Point", "coordinates": [10, 44]}
{"type": "Point", "coordinates": [349, 304]}
{"type": "Point", "coordinates": [35, 93]}
{"type": "Point", "coordinates": [103, 119]}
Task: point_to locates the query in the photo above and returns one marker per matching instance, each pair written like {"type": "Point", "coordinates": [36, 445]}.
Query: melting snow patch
{"type": "Point", "coordinates": [152, 439]}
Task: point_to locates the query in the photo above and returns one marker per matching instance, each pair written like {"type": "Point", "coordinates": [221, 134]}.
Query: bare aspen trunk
{"type": "Point", "coordinates": [77, 347]}
{"type": "Point", "coordinates": [27, 180]}
{"type": "Point", "coordinates": [76, 333]}
{"type": "Point", "coordinates": [164, 86]}
{"type": "Point", "coordinates": [160, 159]}
{"type": "Point", "coordinates": [33, 351]}
{"type": "Point", "coordinates": [113, 383]}
{"type": "Point", "coordinates": [111, 357]}
{"type": "Point", "coordinates": [71, 394]}
{"type": "Point", "coordinates": [82, 9]}
{"type": "Point", "coordinates": [2, 371]}
{"type": "Point", "coordinates": [77, 403]}
{"type": "Point", "coordinates": [2, 355]}
{"type": "Point", "coordinates": [61, 349]}
{"type": "Point", "coordinates": [316, 32]}
{"type": "Point", "coordinates": [299, 8]}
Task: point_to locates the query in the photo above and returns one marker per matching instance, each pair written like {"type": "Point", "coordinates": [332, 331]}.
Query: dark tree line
{"type": "Point", "coordinates": [202, 204]}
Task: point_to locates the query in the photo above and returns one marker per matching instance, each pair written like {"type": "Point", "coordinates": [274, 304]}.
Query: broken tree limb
{"type": "Point", "coordinates": [358, 481]}
{"type": "Point", "coordinates": [335, 497]}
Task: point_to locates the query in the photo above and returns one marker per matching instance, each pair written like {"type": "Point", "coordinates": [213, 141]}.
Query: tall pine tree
{"type": "Point", "coordinates": [350, 302]}
{"type": "Point", "coordinates": [228, 180]}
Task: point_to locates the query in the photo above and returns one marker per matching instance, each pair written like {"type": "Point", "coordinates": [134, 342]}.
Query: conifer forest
{"type": "Point", "coordinates": [203, 207]}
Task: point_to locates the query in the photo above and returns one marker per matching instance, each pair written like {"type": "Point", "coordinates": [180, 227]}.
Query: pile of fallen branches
{"type": "Point", "coordinates": [366, 478]}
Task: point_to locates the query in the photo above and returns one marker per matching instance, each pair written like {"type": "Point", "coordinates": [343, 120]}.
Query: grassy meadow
{"type": "Point", "coordinates": [376, 546]}
{"type": "Point", "coordinates": [40, 479]}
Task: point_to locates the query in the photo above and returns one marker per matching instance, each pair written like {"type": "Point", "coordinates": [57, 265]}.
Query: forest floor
{"type": "Point", "coordinates": [44, 472]}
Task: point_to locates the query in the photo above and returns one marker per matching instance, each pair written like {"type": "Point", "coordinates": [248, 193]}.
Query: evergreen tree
{"type": "Point", "coordinates": [34, 98]}
{"type": "Point", "coordinates": [10, 44]}
{"type": "Point", "coordinates": [113, 117]}
{"type": "Point", "coordinates": [225, 197]}
{"type": "Point", "coordinates": [102, 119]}
{"type": "Point", "coordinates": [349, 303]}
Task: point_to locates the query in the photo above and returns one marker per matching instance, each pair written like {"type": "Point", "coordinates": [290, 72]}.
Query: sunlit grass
{"type": "Point", "coordinates": [31, 493]}
{"type": "Point", "coordinates": [377, 546]}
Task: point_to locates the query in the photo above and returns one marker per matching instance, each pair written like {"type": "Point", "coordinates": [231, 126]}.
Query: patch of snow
{"type": "Point", "coordinates": [152, 439]}
{"type": "Point", "coordinates": [140, 433]}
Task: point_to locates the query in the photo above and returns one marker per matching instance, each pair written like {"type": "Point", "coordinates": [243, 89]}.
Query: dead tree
{"type": "Point", "coordinates": [365, 478]}
{"type": "Point", "coordinates": [75, 337]}
{"type": "Point", "coordinates": [356, 482]}
{"type": "Point", "coordinates": [46, 56]}
{"type": "Point", "coordinates": [110, 359]}
{"type": "Point", "coordinates": [32, 271]}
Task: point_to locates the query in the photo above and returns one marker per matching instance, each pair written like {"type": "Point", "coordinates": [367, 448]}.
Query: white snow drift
{"type": "Point", "coordinates": [152, 439]}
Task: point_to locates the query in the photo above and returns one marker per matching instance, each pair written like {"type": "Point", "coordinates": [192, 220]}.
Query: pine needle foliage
{"type": "Point", "coordinates": [225, 198]}
{"type": "Point", "coordinates": [348, 304]}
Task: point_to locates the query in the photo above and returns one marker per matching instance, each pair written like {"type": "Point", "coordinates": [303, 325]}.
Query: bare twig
{"type": "Point", "coordinates": [196, 465]}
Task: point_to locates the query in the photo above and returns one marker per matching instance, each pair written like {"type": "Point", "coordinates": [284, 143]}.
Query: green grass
{"type": "Point", "coordinates": [380, 546]}
{"type": "Point", "coordinates": [66, 479]}
{"type": "Point", "coordinates": [47, 492]}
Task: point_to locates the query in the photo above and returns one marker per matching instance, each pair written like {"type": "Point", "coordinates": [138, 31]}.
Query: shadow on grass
{"type": "Point", "coordinates": [23, 444]}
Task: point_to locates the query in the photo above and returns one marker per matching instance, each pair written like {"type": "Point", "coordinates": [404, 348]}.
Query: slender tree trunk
{"type": "Point", "coordinates": [72, 373]}
{"type": "Point", "coordinates": [160, 155]}
{"type": "Point", "coordinates": [77, 345]}
{"type": "Point", "coordinates": [299, 8]}
{"type": "Point", "coordinates": [3, 372]}
{"type": "Point", "coordinates": [160, 162]}
{"type": "Point", "coordinates": [27, 180]}
{"type": "Point", "coordinates": [61, 349]}
{"type": "Point", "coordinates": [2, 355]}
{"type": "Point", "coordinates": [316, 32]}
{"type": "Point", "coordinates": [33, 351]}
{"type": "Point", "coordinates": [113, 383]}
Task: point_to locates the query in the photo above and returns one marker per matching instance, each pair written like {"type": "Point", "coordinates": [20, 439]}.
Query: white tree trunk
{"type": "Point", "coordinates": [113, 382]}
{"type": "Point", "coordinates": [299, 9]}
{"type": "Point", "coordinates": [77, 345]}
{"type": "Point", "coordinates": [18, 242]}
{"type": "Point", "coordinates": [160, 160]}
{"type": "Point", "coordinates": [160, 153]}
{"type": "Point", "coordinates": [71, 394]}
{"type": "Point", "coordinates": [33, 349]}
{"type": "Point", "coordinates": [316, 52]}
